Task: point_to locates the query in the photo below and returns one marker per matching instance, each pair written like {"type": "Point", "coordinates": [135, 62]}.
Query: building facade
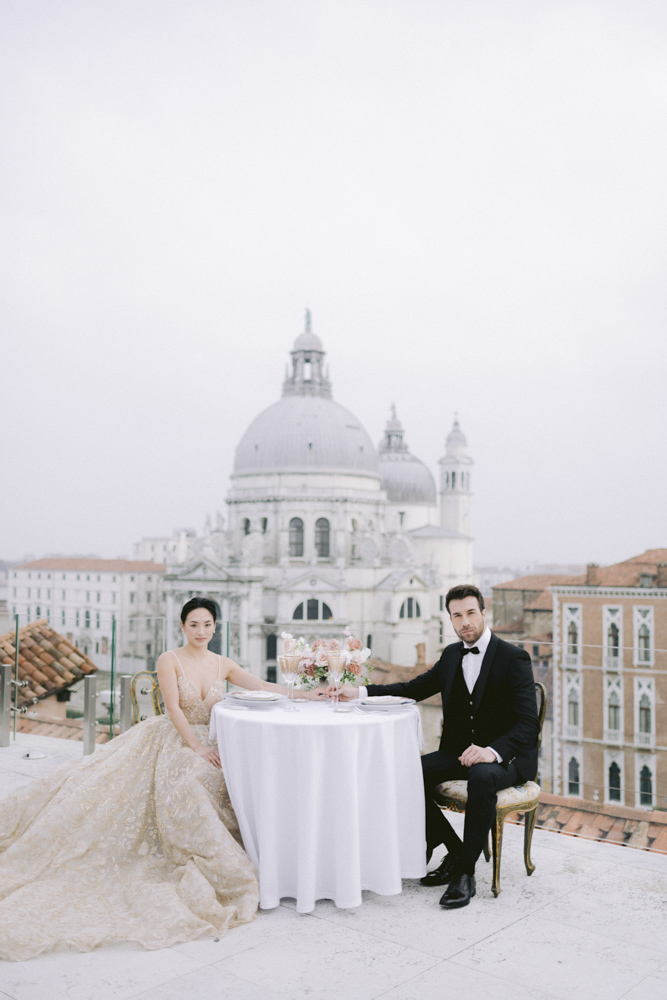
{"type": "Point", "coordinates": [610, 683]}
{"type": "Point", "coordinates": [80, 597]}
{"type": "Point", "coordinates": [325, 530]}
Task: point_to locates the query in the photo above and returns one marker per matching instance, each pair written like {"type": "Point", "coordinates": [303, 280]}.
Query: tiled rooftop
{"type": "Point", "coordinates": [47, 661]}
{"type": "Point", "coordinates": [590, 924]}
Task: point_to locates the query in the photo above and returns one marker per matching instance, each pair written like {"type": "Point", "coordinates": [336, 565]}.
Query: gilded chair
{"type": "Point", "coordinates": [517, 799]}
{"type": "Point", "coordinates": [147, 682]}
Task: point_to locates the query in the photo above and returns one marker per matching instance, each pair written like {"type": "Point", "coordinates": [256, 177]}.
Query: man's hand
{"type": "Point", "coordinates": [477, 755]}
{"type": "Point", "coordinates": [345, 693]}
{"type": "Point", "coordinates": [314, 695]}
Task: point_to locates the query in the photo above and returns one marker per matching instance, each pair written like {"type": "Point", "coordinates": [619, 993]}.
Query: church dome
{"type": "Point", "coordinates": [404, 477]}
{"type": "Point", "coordinates": [306, 431]}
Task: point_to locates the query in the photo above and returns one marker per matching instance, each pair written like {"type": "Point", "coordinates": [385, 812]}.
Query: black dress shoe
{"type": "Point", "coordinates": [459, 892]}
{"type": "Point", "coordinates": [443, 873]}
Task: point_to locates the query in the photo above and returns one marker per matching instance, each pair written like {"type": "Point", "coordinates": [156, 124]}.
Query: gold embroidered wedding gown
{"type": "Point", "coordinates": [138, 842]}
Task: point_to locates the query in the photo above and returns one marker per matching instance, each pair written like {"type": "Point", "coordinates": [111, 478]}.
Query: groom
{"type": "Point", "coordinates": [489, 735]}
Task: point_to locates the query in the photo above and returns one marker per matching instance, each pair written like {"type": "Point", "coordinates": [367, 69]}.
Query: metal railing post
{"type": "Point", "coordinates": [5, 702]}
{"type": "Point", "coordinates": [125, 704]}
{"type": "Point", "coordinates": [89, 712]}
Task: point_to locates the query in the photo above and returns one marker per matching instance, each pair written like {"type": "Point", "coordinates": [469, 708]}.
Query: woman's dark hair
{"type": "Point", "coordinates": [464, 590]}
{"type": "Point", "coordinates": [198, 602]}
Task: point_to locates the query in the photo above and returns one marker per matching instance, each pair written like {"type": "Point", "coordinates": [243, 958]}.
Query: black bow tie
{"type": "Point", "coordinates": [472, 649]}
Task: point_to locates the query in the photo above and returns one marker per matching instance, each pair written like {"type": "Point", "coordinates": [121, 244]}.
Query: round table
{"type": "Point", "coordinates": [328, 803]}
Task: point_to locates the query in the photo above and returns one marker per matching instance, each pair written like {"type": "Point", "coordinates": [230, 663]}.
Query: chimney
{"type": "Point", "coordinates": [661, 578]}
{"type": "Point", "coordinates": [592, 575]}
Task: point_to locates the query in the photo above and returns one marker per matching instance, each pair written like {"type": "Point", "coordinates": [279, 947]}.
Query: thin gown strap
{"type": "Point", "coordinates": [179, 663]}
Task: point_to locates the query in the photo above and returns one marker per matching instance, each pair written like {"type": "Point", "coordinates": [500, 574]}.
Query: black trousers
{"type": "Point", "coordinates": [484, 783]}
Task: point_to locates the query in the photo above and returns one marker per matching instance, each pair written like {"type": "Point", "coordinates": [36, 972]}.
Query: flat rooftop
{"type": "Point", "coordinates": [590, 923]}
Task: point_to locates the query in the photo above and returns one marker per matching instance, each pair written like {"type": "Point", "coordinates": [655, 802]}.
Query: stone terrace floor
{"type": "Point", "coordinates": [590, 923]}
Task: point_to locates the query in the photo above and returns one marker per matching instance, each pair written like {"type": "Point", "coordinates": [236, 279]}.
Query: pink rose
{"type": "Point", "coordinates": [353, 643]}
{"type": "Point", "coordinates": [333, 645]}
{"type": "Point", "coordinates": [289, 645]}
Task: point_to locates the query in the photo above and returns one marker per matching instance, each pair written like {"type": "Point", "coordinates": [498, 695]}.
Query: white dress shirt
{"type": "Point", "coordinates": [471, 666]}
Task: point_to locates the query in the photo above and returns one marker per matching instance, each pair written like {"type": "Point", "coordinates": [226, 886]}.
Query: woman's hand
{"type": "Point", "coordinates": [208, 753]}
{"type": "Point", "coordinates": [315, 695]}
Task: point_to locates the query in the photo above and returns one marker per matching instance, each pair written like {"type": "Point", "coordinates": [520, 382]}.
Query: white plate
{"type": "Point", "coordinates": [385, 703]}
{"type": "Point", "coordinates": [256, 697]}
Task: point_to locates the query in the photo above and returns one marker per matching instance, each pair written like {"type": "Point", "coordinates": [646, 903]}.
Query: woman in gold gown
{"type": "Point", "coordinates": [139, 841]}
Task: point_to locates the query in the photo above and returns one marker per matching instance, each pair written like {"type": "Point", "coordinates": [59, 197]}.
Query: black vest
{"type": "Point", "coordinates": [459, 727]}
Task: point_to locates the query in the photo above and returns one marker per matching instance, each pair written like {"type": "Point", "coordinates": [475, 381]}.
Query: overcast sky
{"type": "Point", "coordinates": [471, 198]}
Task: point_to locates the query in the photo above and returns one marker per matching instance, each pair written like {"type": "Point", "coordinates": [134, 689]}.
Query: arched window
{"type": "Point", "coordinates": [644, 644]}
{"type": "Point", "coordinates": [645, 787]}
{"type": "Point", "coordinates": [246, 526]}
{"type": "Point", "coordinates": [296, 538]}
{"type": "Point", "coordinates": [573, 776]}
{"type": "Point", "coordinates": [326, 612]}
{"type": "Point", "coordinates": [265, 524]}
{"type": "Point", "coordinates": [572, 708]}
{"type": "Point", "coordinates": [573, 639]}
{"type": "Point", "coordinates": [298, 613]}
{"type": "Point", "coordinates": [614, 782]}
{"type": "Point", "coordinates": [614, 710]}
{"type": "Point", "coordinates": [645, 714]}
{"type": "Point", "coordinates": [271, 647]}
{"type": "Point", "coordinates": [369, 639]}
{"type": "Point", "coordinates": [312, 609]}
{"type": "Point", "coordinates": [612, 639]}
{"type": "Point", "coordinates": [322, 537]}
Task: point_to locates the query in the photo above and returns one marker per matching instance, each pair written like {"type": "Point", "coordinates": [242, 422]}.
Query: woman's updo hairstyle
{"type": "Point", "coordinates": [198, 602]}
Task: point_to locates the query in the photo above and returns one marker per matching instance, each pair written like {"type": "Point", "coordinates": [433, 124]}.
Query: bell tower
{"type": "Point", "coordinates": [455, 493]}
{"type": "Point", "coordinates": [308, 376]}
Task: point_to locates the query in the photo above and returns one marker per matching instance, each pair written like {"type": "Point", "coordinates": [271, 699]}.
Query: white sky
{"type": "Point", "coordinates": [469, 196]}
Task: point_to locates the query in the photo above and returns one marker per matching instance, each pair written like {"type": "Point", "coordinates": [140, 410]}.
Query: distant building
{"type": "Point", "coordinates": [325, 530]}
{"type": "Point", "coordinates": [80, 597]}
{"type": "Point", "coordinates": [610, 683]}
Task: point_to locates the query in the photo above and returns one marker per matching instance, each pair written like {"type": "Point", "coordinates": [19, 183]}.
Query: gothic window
{"type": "Point", "coordinates": [614, 782]}
{"type": "Point", "coordinates": [645, 714]}
{"type": "Point", "coordinates": [572, 708]}
{"type": "Point", "coordinates": [271, 647]}
{"type": "Point", "coordinates": [322, 537]}
{"type": "Point", "coordinates": [246, 526]}
{"type": "Point", "coordinates": [612, 640]}
{"type": "Point", "coordinates": [326, 612]}
{"type": "Point", "coordinates": [573, 639]}
{"type": "Point", "coordinates": [312, 609]}
{"type": "Point", "coordinates": [645, 786]}
{"type": "Point", "coordinates": [298, 612]}
{"type": "Point", "coordinates": [614, 711]}
{"type": "Point", "coordinates": [573, 777]}
{"type": "Point", "coordinates": [296, 538]}
{"type": "Point", "coordinates": [644, 644]}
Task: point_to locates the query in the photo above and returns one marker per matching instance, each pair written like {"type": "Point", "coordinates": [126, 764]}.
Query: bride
{"type": "Point", "coordinates": [138, 842]}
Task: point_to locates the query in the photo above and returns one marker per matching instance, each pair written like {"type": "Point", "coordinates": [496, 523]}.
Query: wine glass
{"type": "Point", "coordinates": [289, 667]}
{"type": "Point", "coordinates": [336, 671]}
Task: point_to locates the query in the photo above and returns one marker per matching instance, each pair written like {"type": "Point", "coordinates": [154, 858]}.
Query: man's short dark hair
{"type": "Point", "coordinates": [464, 590]}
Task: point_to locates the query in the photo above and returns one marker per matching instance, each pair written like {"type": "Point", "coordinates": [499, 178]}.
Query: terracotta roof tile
{"type": "Point", "coordinates": [47, 661]}
{"type": "Point", "coordinates": [540, 581]}
{"type": "Point", "coordinates": [96, 565]}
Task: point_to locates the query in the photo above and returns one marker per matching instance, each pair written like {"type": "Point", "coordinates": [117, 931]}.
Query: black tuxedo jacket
{"type": "Point", "coordinates": [505, 708]}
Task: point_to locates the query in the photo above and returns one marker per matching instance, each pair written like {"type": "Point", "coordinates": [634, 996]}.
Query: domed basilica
{"type": "Point", "coordinates": [325, 530]}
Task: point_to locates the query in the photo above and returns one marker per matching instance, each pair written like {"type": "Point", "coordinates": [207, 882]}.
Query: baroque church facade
{"type": "Point", "coordinates": [325, 530]}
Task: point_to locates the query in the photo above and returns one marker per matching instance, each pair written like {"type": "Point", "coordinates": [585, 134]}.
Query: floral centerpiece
{"type": "Point", "coordinates": [314, 658]}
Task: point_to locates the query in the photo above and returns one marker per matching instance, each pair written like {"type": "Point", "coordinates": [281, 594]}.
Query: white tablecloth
{"type": "Point", "coordinates": [328, 803]}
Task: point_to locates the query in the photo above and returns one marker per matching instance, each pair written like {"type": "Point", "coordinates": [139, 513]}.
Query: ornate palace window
{"type": "Point", "coordinates": [645, 786]}
{"type": "Point", "coordinates": [322, 538]}
{"type": "Point", "coordinates": [573, 777]}
{"type": "Point", "coordinates": [614, 776]}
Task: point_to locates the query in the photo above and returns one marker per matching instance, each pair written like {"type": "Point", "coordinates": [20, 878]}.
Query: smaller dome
{"type": "Point", "coordinates": [456, 439]}
{"type": "Point", "coordinates": [404, 477]}
{"type": "Point", "coordinates": [308, 341]}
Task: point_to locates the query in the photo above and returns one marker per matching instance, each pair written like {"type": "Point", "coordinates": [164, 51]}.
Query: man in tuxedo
{"type": "Point", "coordinates": [489, 735]}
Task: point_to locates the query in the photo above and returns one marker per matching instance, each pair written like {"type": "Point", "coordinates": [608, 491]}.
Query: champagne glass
{"type": "Point", "coordinates": [289, 666]}
{"type": "Point", "coordinates": [336, 671]}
